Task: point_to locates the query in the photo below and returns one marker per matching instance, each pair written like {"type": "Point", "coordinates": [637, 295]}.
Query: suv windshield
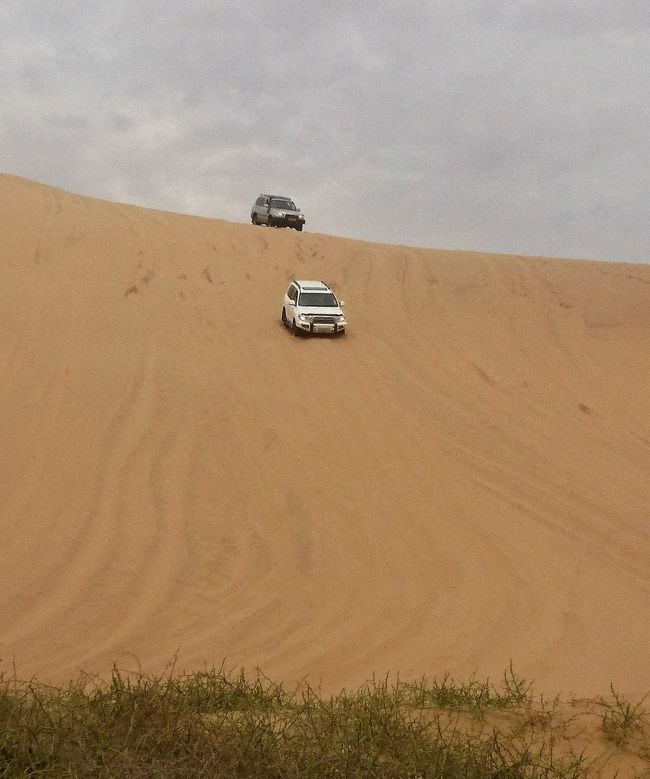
{"type": "Point", "coordinates": [317, 299]}
{"type": "Point", "coordinates": [288, 204]}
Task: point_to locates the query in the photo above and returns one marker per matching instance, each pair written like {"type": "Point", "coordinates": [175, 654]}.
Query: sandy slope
{"type": "Point", "coordinates": [461, 481]}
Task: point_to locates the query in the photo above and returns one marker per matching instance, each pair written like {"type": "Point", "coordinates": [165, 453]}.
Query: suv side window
{"type": "Point", "coordinates": [260, 201]}
{"type": "Point", "coordinates": [292, 293]}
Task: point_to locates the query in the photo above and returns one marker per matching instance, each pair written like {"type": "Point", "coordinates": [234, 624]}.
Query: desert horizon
{"type": "Point", "coordinates": [457, 484]}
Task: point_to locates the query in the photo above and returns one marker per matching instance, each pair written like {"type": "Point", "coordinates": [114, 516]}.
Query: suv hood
{"type": "Point", "coordinates": [320, 310]}
{"type": "Point", "coordinates": [275, 211]}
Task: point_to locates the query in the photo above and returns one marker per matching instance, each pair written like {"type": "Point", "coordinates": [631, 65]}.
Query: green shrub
{"type": "Point", "coordinates": [219, 724]}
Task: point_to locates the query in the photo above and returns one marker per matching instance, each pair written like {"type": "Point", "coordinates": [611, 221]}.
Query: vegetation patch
{"type": "Point", "coordinates": [229, 724]}
{"type": "Point", "coordinates": [621, 719]}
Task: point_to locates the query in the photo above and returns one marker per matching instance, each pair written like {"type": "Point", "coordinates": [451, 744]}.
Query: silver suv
{"type": "Point", "coordinates": [312, 307]}
{"type": "Point", "coordinates": [277, 211]}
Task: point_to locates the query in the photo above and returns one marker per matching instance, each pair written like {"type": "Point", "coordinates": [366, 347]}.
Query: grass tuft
{"type": "Point", "coordinates": [622, 719]}
{"type": "Point", "coordinates": [474, 695]}
{"type": "Point", "coordinates": [217, 723]}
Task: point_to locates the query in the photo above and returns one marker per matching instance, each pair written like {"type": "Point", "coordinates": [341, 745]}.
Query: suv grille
{"type": "Point", "coordinates": [324, 320]}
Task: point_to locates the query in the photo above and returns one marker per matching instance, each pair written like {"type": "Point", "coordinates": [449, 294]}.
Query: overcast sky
{"type": "Point", "coordinates": [520, 126]}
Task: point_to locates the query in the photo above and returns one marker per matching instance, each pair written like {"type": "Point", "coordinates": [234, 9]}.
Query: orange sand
{"type": "Point", "coordinates": [461, 481]}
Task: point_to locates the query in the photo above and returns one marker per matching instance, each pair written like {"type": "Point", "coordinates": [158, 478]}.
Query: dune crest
{"type": "Point", "coordinates": [460, 482]}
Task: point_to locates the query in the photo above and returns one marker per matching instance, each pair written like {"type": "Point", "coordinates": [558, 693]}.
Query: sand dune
{"type": "Point", "coordinates": [460, 482]}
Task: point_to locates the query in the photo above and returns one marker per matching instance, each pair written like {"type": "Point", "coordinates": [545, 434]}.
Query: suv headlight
{"type": "Point", "coordinates": [340, 318]}
{"type": "Point", "coordinates": [304, 317]}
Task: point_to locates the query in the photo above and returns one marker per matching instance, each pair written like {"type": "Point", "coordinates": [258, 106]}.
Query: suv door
{"type": "Point", "coordinates": [289, 310]}
{"type": "Point", "coordinates": [260, 214]}
{"type": "Point", "coordinates": [263, 210]}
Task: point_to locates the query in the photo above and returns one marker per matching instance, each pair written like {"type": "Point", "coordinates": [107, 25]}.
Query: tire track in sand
{"type": "Point", "coordinates": [68, 585]}
{"type": "Point", "coordinates": [167, 486]}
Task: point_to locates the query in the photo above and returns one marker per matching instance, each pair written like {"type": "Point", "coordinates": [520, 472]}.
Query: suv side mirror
{"type": "Point", "coordinates": [341, 302]}
{"type": "Point", "coordinates": [292, 302]}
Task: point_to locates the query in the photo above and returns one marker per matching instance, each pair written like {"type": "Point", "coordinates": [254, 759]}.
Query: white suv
{"type": "Point", "coordinates": [312, 307]}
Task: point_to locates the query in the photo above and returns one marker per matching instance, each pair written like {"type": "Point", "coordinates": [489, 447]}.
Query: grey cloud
{"type": "Point", "coordinates": [582, 18]}
{"type": "Point", "coordinates": [513, 126]}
